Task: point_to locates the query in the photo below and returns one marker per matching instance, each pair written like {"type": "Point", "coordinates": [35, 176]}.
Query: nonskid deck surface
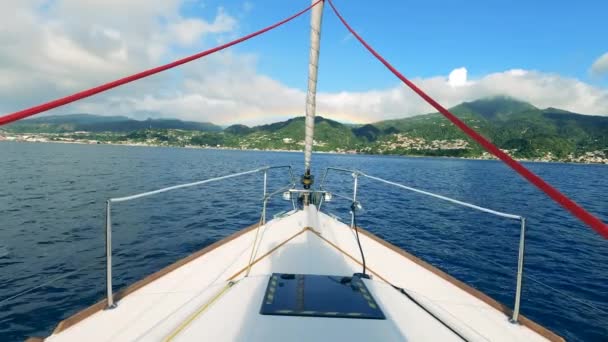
{"type": "Point", "coordinates": [195, 303]}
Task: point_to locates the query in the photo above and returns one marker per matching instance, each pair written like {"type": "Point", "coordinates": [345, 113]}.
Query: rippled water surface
{"type": "Point", "coordinates": [52, 210]}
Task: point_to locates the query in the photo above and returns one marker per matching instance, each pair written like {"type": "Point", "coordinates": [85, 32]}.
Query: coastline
{"type": "Point", "coordinates": [602, 162]}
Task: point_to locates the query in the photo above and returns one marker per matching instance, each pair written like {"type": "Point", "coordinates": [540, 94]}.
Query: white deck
{"type": "Point", "coordinates": [155, 311]}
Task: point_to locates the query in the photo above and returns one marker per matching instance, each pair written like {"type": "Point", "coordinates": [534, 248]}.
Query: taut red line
{"type": "Point", "coordinates": [540, 183]}
{"type": "Point", "coordinates": [8, 118]}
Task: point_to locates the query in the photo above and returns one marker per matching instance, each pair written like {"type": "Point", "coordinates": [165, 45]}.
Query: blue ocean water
{"type": "Point", "coordinates": [52, 223]}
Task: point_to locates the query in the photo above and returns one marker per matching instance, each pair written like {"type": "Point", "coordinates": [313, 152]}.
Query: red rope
{"type": "Point", "coordinates": [557, 196]}
{"type": "Point", "coordinates": [8, 118]}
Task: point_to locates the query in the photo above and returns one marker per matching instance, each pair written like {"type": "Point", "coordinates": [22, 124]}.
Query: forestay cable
{"type": "Point", "coordinates": [8, 118]}
{"type": "Point", "coordinates": [553, 193]}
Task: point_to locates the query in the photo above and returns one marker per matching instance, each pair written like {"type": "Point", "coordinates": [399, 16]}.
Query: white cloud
{"type": "Point", "coordinates": [228, 90]}
{"type": "Point", "coordinates": [188, 30]}
{"type": "Point", "coordinates": [458, 77]}
{"type": "Point", "coordinates": [600, 66]}
{"type": "Point", "coordinates": [541, 89]}
{"type": "Point", "coordinates": [74, 44]}
{"type": "Point", "coordinates": [53, 48]}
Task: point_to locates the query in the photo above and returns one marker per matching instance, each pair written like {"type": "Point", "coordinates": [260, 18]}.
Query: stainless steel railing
{"type": "Point", "coordinates": [522, 237]}
{"type": "Point", "coordinates": [267, 196]}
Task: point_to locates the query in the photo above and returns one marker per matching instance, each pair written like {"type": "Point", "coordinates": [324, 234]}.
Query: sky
{"type": "Point", "coordinates": [549, 53]}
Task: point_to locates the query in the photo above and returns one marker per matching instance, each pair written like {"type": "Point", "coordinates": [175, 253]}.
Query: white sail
{"type": "Point", "coordinates": [313, 68]}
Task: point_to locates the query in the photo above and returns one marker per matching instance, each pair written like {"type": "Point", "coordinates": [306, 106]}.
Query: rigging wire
{"type": "Point", "coordinates": [557, 196]}
{"type": "Point", "coordinates": [353, 208]}
{"type": "Point", "coordinates": [8, 118]}
{"type": "Point", "coordinates": [255, 246]}
{"type": "Point", "coordinates": [578, 211]}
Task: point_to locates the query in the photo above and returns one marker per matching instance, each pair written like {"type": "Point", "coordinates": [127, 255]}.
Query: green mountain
{"type": "Point", "coordinates": [329, 135]}
{"type": "Point", "coordinates": [98, 123]}
{"type": "Point", "coordinates": [514, 125]}
{"type": "Point", "coordinates": [519, 127]}
{"type": "Point", "coordinates": [493, 108]}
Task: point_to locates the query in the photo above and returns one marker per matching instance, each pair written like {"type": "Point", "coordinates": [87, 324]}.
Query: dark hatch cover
{"type": "Point", "coordinates": [319, 296]}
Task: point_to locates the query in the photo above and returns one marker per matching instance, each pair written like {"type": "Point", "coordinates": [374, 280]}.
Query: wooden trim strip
{"type": "Point", "coordinates": [101, 305]}
{"type": "Point", "coordinates": [546, 333]}
{"type": "Point", "coordinates": [78, 317]}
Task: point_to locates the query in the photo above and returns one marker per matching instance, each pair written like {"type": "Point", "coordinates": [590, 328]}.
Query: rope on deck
{"type": "Point", "coordinates": [198, 312]}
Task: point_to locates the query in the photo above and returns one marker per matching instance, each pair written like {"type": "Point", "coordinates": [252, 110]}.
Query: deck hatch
{"type": "Point", "coordinates": [319, 296]}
